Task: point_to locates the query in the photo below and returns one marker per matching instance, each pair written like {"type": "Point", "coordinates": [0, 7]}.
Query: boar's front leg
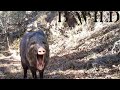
{"type": "Point", "coordinates": [25, 68]}
{"type": "Point", "coordinates": [33, 71]}
{"type": "Point", "coordinates": [41, 74]}
{"type": "Point", "coordinates": [25, 72]}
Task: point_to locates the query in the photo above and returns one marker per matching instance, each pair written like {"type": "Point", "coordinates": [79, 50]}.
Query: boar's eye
{"type": "Point", "coordinates": [43, 42]}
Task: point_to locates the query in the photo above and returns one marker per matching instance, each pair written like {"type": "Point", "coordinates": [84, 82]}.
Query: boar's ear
{"type": "Point", "coordinates": [41, 32]}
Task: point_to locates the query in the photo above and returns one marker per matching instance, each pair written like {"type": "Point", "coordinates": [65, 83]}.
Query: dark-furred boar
{"type": "Point", "coordinates": [34, 52]}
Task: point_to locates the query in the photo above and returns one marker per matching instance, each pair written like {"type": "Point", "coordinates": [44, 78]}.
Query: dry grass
{"type": "Point", "coordinates": [77, 53]}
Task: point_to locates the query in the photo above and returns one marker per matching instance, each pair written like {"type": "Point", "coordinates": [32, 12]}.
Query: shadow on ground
{"type": "Point", "coordinates": [74, 61]}
{"type": "Point", "coordinates": [11, 69]}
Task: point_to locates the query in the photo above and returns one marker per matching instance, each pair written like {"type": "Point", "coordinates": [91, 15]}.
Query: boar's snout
{"type": "Point", "coordinates": [41, 51]}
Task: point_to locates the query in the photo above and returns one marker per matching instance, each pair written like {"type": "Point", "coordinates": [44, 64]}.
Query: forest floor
{"type": "Point", "coordinates": [90, 59]}
{"type": "Point", "coordinates": [70, 66]}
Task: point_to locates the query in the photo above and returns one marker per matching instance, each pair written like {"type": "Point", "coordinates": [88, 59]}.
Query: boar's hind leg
{"type": "Point", "coordinates": [33, 71]}
{"type": "Point", "coordinates": [41, 74]}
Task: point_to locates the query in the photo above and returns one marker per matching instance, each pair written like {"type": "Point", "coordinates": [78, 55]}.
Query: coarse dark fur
{"type": "Point", "coordinates": [29, 44]}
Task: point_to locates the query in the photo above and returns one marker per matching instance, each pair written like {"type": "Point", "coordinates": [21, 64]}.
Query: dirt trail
{"type": "Point", "coordinates": [77, 65]}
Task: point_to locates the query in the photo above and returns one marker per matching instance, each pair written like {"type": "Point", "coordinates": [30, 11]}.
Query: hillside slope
{"type": "Point", "coordinates": [82, 52]}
